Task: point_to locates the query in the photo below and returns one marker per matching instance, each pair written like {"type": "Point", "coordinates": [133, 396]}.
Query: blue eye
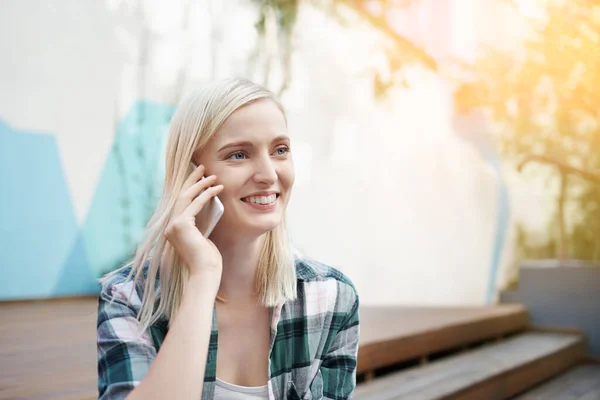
{"type": "Point", "coordinates": [238, 155]}
{"type": "Point", "coordinates": [282, 151]}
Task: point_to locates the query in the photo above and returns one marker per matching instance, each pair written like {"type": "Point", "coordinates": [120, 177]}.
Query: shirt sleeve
{"type": "Point", "coordinates": [124, 354]}
{"type": "Point", "coordinates": [338, 369]}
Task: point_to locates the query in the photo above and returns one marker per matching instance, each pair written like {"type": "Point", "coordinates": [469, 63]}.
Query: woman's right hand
{"type": "Point", "coordinates": [198, 253]}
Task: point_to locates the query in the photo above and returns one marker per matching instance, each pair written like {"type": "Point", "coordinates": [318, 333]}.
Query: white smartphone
{"type": "Point", "coordinates": [207, 218]}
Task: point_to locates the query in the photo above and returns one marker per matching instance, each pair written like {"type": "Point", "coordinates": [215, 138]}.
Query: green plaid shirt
{"type": "Point", "coordinates": [314, 339]}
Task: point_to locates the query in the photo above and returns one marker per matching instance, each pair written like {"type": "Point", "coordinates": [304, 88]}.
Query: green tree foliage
{"type": "Point", "coordinates": [545, 99]}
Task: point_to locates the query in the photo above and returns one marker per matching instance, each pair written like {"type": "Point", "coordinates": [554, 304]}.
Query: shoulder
{"type": "Point", "coordinates": [310, 270]}
{"type": "Point", "coordinates": [323, 281]}
{"type": "Point", "coordinates": [119, 286]}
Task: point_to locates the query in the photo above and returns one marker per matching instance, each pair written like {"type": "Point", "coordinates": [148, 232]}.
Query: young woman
{"type": "Point", "coordinates": [236, 316]}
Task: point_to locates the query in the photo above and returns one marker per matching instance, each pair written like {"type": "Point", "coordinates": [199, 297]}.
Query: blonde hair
{"type": "Point", "coordinates": [196, 120]}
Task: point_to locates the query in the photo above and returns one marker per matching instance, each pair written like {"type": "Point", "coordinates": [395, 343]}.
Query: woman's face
{"type": "Point", "coordinates": [250, 155]}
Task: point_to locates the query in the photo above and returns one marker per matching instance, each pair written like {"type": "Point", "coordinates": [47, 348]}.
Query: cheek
{"type": "Point", "coordinates": [229, 194]}
{"type": "Point", "coordinates": [287, 175]}
{"type": "Point", "coordinates": [229, 183]}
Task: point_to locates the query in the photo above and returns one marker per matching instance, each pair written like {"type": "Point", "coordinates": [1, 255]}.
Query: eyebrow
{"type": "Point", "coordinates": [250, 144]}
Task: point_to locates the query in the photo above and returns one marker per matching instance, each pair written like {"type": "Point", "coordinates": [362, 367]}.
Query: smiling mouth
{"type": "Point", "coordinates": [263, 200]}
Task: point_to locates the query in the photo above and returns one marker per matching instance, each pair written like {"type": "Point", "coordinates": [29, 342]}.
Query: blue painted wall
{"type": "Point", "coordinates": [129, 187]}
{"type": "Point", "coordinates": [40, 238]}
{"type": "Point", "coordinates": [45, 252]}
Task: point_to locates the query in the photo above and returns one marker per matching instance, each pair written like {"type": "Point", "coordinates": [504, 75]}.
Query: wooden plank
{"type": "Point", "coordinates": [517, 380]}
{"type": "Point", "coordinates": [48, 349]}
{"type": "Point", "coordinates": [579, 382]}
{"type": "Point", "coordinates": [396, 334]}
{"type": "Point", "coordinates": [495, 371]}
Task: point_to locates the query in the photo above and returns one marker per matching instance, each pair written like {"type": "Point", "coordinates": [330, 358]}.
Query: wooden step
{"type": "Point", "coordinates": [493, 371]}
{"type": "Point", "coordinates": [391, 335]}
{"type": "Point", "coordinates": [581, 382]}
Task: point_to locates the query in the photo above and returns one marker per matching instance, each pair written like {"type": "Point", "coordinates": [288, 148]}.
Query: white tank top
{"type": "Point", "coordinates": [229, 391]}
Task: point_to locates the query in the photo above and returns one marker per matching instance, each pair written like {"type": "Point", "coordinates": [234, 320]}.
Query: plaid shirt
{"type": "Point", "coordinates": [313, 350]}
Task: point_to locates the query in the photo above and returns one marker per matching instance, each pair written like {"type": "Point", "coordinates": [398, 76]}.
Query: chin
{"type": "Point", "coordinates": [264, 226]}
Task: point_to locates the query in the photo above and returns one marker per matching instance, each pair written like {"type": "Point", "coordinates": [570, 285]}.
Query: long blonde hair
{"type": "Point", "coordinates": [196, 120]}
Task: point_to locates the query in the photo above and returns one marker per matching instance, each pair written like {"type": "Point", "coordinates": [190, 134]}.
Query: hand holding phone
{"type": "Point", "coordinates": [183, 232]}
{"type": "Point", "coordinates": [209, 216]}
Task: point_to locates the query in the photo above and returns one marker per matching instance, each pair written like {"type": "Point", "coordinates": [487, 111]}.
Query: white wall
{"type": "Point", "coordinates": [386, 191]}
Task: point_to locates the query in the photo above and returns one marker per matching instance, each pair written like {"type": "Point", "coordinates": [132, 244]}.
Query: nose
{"type": "Point", "coordinates": [265, 171]}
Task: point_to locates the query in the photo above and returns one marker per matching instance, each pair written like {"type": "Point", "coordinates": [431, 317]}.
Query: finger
{"type": "Point", "coordinates": [195, 190]}
{"type": "Point", "coordinates": [194, 177]}
{"type": "Point", "coordinates": [184, 199]}
{"type": "Point", "coordinates": [199, 202]}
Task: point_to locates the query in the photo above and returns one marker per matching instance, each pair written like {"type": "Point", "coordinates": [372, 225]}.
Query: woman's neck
{"type": "Point", "coordinates": [240, 262]}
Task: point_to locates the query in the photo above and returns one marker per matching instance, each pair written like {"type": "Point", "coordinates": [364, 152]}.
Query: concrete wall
{"type": "Point", "coordinates": [561, 295]}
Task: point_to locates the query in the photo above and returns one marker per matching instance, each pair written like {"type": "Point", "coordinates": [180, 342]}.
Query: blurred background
{"type": "Point", "coordinates": [447, 159]}
{"type": "Point", "coordinates": [409, 119]}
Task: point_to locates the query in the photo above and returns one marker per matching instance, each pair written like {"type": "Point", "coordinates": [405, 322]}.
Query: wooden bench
{"type": "Point", "coordinates": [48, 348]}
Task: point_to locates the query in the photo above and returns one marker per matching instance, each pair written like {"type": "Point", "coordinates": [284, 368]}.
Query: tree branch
{"type": "Point", "coordinates": [403, 44]}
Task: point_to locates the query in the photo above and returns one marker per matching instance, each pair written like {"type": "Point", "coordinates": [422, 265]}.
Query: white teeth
{"type": "Point", "coordinates": [261, 199]}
